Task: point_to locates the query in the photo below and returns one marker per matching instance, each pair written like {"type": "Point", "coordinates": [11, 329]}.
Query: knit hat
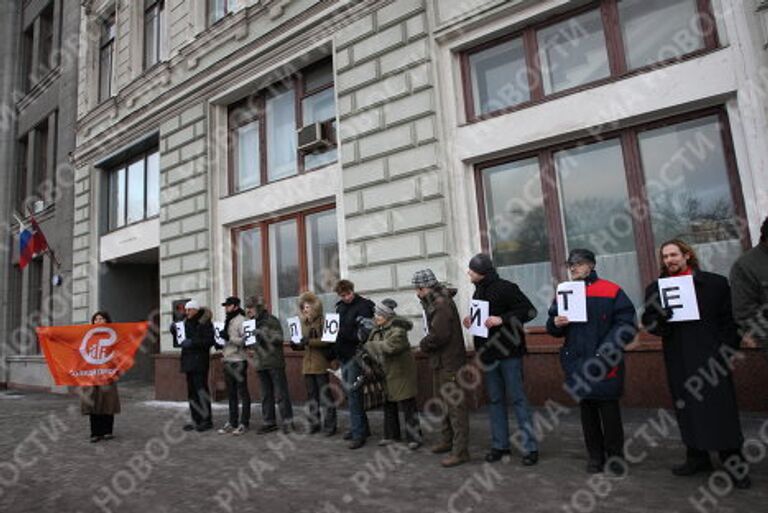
{"type": "Point", "coordinates": [424, 279]}
{"type": "Point", "coordinates": [578, 256]}
{"type": "Point", "coordinates": [481, 264]}
{"type": "Point", "coordinates": [192, 304]}
{"type": "Point", "coordinates": [386, 308]}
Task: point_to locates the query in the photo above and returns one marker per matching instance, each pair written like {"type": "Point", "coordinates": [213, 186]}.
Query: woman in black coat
{"type": "Point", "coordinates": [697, 358]}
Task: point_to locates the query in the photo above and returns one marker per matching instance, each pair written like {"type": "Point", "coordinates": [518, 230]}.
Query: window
{"type": "Point", "coordinates": [45, 53]}
{"type": "Point", "coordinates": [602, 41]}
{"type": "Point", "coordinates": [40, 169]}
{"type": "Point", "coordinates": [573, 52]}
{"type": "Point", "coordinates": [278, 259]}
{"type": "Point", "coordinates": [14, 299]}
{"type": "Point", "coordinates": [106, 57]}
{"type": "Point", "coordinates": [620, 196]}
{"type": "Point", "coordinates": [658, 30]}
{"type": "Point", "coordinates": [21, 176]}
{"type": "Point", "coordinates": [154, 32]}
{"type": "Point", "coordinates": [593, 193]}
{"type": "Point", "coordinates": [517, 229]}
{"type": "Point", "coordinates": [27, 48]}
{"type": "Point", "coordinates": [690, 196]}
{"type": "Point", "coordinates": [263, 141]}
{"type": "Point", "coordinates": [134, 191]}
{"type": "Point", "coordinates": [318, 105]}
{"type": "Point", "coordinates": [217, 9]}
{"type": "Point", "coordinates": [499, 77]}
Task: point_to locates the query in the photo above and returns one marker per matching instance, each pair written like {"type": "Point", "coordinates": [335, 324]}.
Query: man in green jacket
{"type": "Point", "coordinates": [269, 361]}
{"type": "Point", "coordinates": [749, 291]}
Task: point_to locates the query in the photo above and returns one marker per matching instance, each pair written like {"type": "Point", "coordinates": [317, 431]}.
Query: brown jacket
{"type": "Point", "coordinates": [100, 400]}
{"type": "Point", "coordinates": [444, 344]}
{"type": "Point", "coordinates": [315, 352]}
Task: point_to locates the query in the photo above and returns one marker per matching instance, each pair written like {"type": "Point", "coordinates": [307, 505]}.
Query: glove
{"type": "Point", "coordinates": [224, 335]}
{"type": "Point", "coordinates": [669, 312]}
{"type": "Point", "coordinates": [186, 343]}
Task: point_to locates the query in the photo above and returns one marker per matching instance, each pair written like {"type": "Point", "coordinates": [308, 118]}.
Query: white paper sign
{"type": "Point", "coordinates": [331, 327]}
{"type": "Point", "coordinates": [294, 326]}
{"type": "Point", "coordinates": [218, 327]}
{"type": "Point", "coordinates": [425, 322]}
{"type": "Point", "coordinates": [181, 333]}
{"type": "Point", "coordinates": [478, 314]}
{"type": "Point", "coordinates": [249, 332]}
{"type": "Point", "coordinates": [679, 294]}
{"type": "Point", "coordinates": [572, 301]}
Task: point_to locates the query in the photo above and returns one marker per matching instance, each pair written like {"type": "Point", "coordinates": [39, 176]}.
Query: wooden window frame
{"type": "Point", "coordinates": [143, 156]}
{"type": "Point", "coordinates": [263, 227]}
{"type": "Point", "coordinates": [636, 190]}
{"type": "Point", "coordinates": [614, 46]}
{"type": "Point", "coordinates": [253, 108]}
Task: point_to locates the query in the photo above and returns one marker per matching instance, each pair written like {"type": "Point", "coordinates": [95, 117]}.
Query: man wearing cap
{"type": "Point", "coordinates": [269, 361]}
{"type": "Point", "coordinates": [195, 361]}
{"type": "Point", "coordinates": [444, 344]}
{"type": "Point", "coordinates": [235, 363]}
{"type": "Point", "coordinates": [500, 355]}
{"type": "Point", "coordinates": [593, 362]}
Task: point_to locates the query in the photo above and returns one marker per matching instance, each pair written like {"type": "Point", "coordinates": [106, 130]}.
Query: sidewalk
{"type": "Point", "coordinates": [48, 465]}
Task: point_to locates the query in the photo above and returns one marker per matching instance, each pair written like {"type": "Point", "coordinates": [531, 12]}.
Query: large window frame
{"type": "Point", "coordinates": [263, 227]}
{"type": "Point", "coordinates": [253, 109]}
{"type": "Point", "coordinates": [636, 189]}
{"type": "Point", "coordinates": [617, 60]}
{"type": "Point", "coordinates": [124, 167]}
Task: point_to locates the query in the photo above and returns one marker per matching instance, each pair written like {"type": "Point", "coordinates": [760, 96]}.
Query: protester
{"type": "Point", "coordinates": [592, 358]}
{"type": "Point", "coordinates": [707, 413]}
{"type": "Point", "coordinates": [500, 355]}
{"type": "Point", "coordinates": [100, 402]}
{"type": "Point", "coordinates": [749, 290]}
{"type": "Point", "coordinates": [389, 344]}
{"type": "Point", "coordinates": [353, 310]}
{"type": "Point", "coordinates": [235, 363]}
{"type": "Point", "coordinates": [315, 365]}
{"type": "Point", "coordinates": [444, 344]}
{"type": "Point", "coordinates": [269, 361]}
{"type": "Point", "coordinates": [195, 362]}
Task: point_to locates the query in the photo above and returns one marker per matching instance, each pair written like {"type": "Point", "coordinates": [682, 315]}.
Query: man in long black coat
{"type": "Point", "coordinates": [694, 351]}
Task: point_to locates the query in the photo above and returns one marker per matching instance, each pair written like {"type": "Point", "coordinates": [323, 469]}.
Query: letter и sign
{"type": "Point", "coordinates": [679, 294]}
{"type": "Point", "coordinates": [478, 314]}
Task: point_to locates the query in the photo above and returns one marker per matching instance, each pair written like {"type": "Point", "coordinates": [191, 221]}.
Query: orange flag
{"type": "Point", "coordinates": [90, 354]}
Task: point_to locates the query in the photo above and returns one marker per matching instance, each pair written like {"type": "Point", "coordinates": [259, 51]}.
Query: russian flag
{"type": "Point", "coordinates": [31, 242]}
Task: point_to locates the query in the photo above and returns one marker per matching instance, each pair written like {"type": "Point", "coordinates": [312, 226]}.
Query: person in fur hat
{"type": "Point", "coordinates": [315, 365]}
{"type": "Point", "coordinates": [388, 344]}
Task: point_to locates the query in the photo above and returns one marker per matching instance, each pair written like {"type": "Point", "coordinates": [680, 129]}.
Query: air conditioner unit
{"type": "Point", "coordinates": [315, 136]}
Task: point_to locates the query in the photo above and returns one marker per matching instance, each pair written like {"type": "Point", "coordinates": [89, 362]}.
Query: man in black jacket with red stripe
{"type": "Point", "coordinates": [500, 356]}
{"type": "Point", "coordinates": [592, 358]}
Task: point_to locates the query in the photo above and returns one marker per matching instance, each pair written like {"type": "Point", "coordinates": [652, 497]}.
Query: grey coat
{"type": "Point", "coordinates": [749, 292]}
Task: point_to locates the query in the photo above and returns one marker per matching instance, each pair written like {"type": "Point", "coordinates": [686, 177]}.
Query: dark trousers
{"type": "Point", "coordinates": [319, 395]}
{"type": "Point", "coordinates": [700, 456]}
{"type": "Point", "coordinates": [199, 398]}
{"type": "Point", "coordinates": [236, 378]}
{"type": "Point", "coordinates": [102, 424]}
{"type": "Point", "coordinates": [603, 430]}
{"type": "Point", "coordinates": [392, 420]}
{"type": "Point", "coordinates": [274, 389]}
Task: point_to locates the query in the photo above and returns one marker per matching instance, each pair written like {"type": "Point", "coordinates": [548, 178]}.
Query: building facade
{"type": "Point", "coordinates": [268, 147]}
{"type": "Point", "coordinates": [38, 98]}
